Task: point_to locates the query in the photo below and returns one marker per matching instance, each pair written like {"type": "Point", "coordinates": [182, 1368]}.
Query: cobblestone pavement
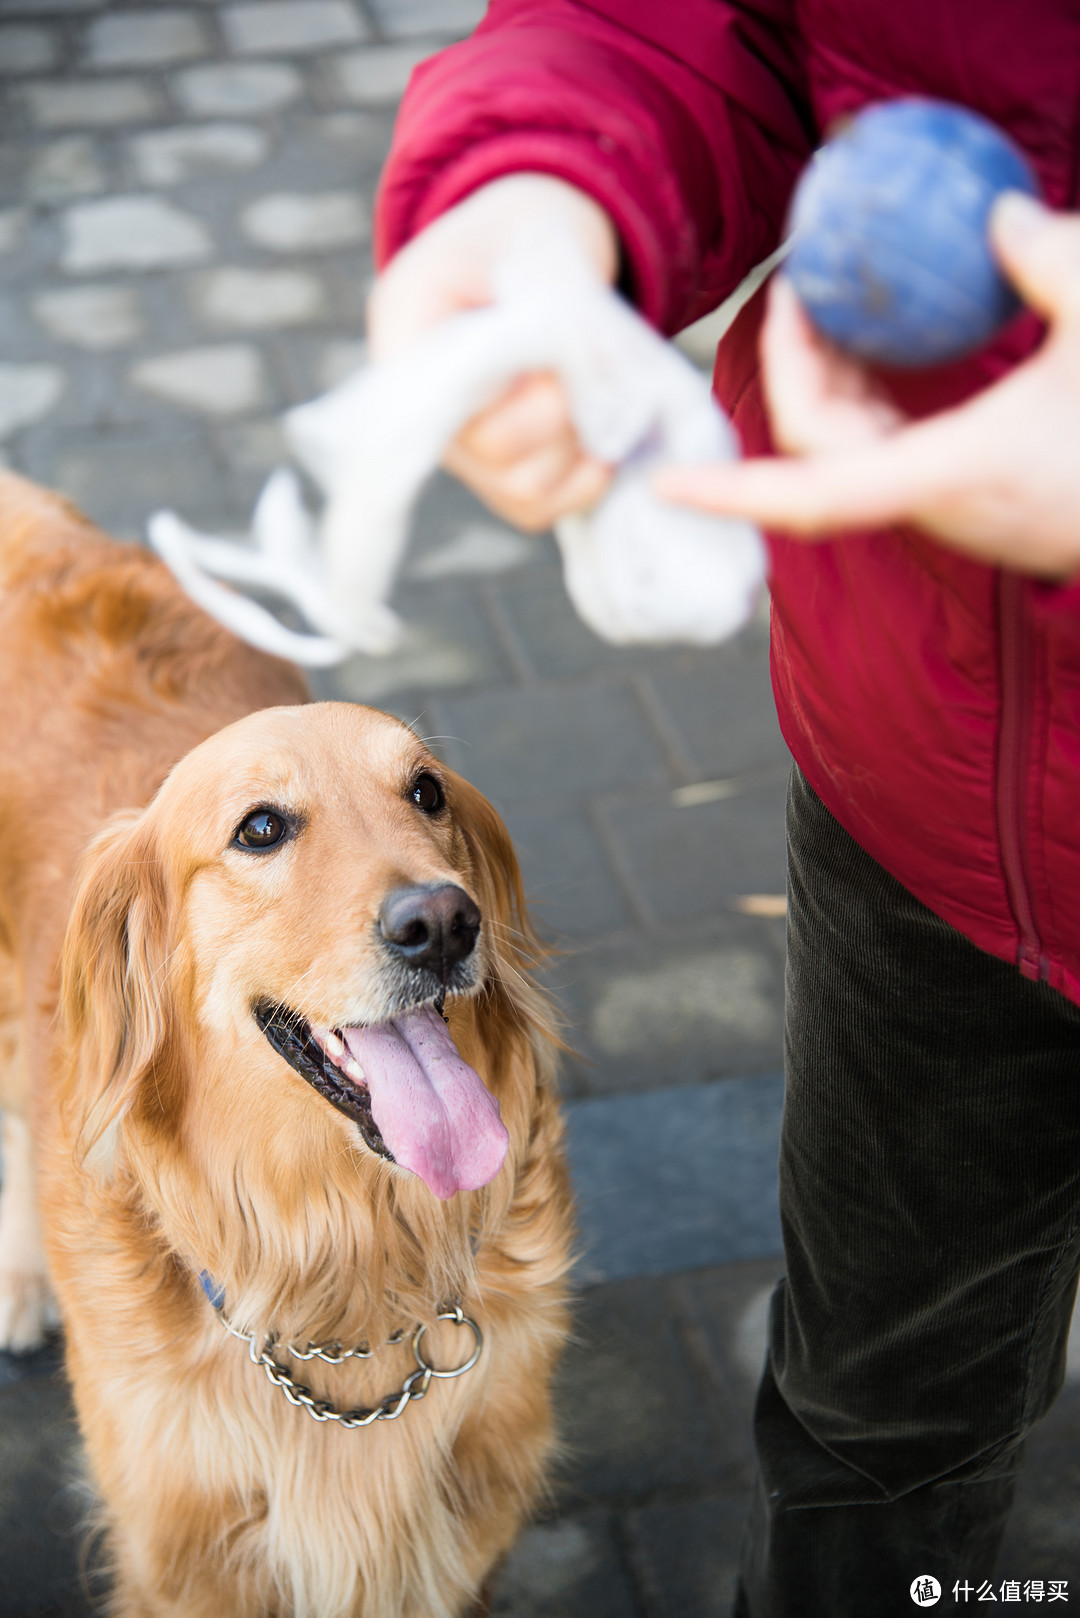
{"type": "Point", "coordinates": [185, 203]}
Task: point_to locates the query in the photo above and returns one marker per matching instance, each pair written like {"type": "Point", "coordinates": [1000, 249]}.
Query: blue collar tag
{"type": "Point", "coordinates": [214, 1293]}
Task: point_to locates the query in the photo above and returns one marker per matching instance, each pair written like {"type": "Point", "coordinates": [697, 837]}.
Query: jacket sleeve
{"type": "Point", "coordinates": [684, 119]}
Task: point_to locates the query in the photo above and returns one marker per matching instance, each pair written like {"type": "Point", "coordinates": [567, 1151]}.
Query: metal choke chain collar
{"type": "Point", "coordinates": [414, 1386]}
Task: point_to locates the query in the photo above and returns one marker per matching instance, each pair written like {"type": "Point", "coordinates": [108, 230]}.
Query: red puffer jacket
{"type": "Point", "coordinates": [932, 702]}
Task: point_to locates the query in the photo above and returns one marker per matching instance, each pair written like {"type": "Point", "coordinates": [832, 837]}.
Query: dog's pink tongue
{"type": "Point", "coordinates": [432, 1108]}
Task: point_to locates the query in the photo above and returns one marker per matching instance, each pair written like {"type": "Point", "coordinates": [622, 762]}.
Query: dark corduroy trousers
{"type": "Point", "coordinates": [930, 1199]}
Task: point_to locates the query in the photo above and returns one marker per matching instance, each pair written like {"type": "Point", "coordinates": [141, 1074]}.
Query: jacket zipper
{"type": "Point", "coordinates": [1013, 766]}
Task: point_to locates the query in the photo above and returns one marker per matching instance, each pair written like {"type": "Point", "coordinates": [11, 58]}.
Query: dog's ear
{"type": "Point", "coordinates": [112, 991]}
{"type": "Point", "coordinates": [496, 874]}
{"type": "Point", "coordinates": [513, 945]}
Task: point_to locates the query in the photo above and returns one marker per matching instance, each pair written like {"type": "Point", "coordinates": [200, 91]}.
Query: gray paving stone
{"type": "Point", "coordinates": [144, 39]}
{"type": "Point", "coordinates": [17, 336]}
{"type": "Point", "coordinates": [633, 1407]}
{"type": "Point", "coordinates": [13, 223]}
{"type": "Point", "coordinates": [285, 26]}
{"type": "Point", "coordinates": [293, 353]}
{"type": "Point", "coordinates": [727, 1309]}
{"type": "Point", "coordinates": [728, 992]}
{"type": "Point", "coordinates": [253, 446]}
{"type": "Point", "coordinates": [132, 233]}
{"type": "Point", "coordinates": [90, 105]}
{"type": "Point", "coordinates": [686, 1555]}
{"type": "Point", "coordinates": [723, 708]}
{"type": "Point", "coordinates": [679, 1178]}
{"type": "Point", "coordinates": [671, 1006]}
{"type": "Point", "coordinates": [64, 169]}
{"type": "Point", "coordinates": [1042, 1540]}
{"type": "Point", "coordinates": [691, 859]}
{"type": "Point", "coordinates": [339, 360]}
{"type": "Point", "coordinates": [557, 642]}
{"type": "Point", "coordinates": [375, 76]}
{"type": "Point", "coordinates": [226, 380]}
{"type": "Point", "coordinates": [119, 478]}
{"type": "Point", "coordinates": [363, 137]}
{"type": "Point", "coordinates": [254, 300]}
{"type": "Point", "coordinates": [27, 393]}
{"type": "Point", "coordinates": [572, 888]}
{"type": "Point", "coordinates": [168, 156]}
{"type": "Point", "coordinates": [26, 49]}
{"type": "Point", "coordinates": [236, 89]}
{"type": "Point", "coordinates": [571, 1567]}
{"type": "Point", "coordinates": [301, 356]}
{"type": "Point", "coordinates": [480, 550]}
{"type": "Point", "coordinates": [39, 1505]}
{"type": "Point", "coordinates": [93, 398]}
{"type": "Point", "coordinates": [91, 317]}
{"type": "Point", "coordinates": [451, 18]}
{"type": "Point", "coordinates": [45, 8]}
{"type": "Point", "coordinates": [294, 222]}
{"type": "Point", "coordinates": [446, 510]}
{"type": "Point", "coordinates": [550, 742]}
{"type": "Point", "coordinates": [448, 644]}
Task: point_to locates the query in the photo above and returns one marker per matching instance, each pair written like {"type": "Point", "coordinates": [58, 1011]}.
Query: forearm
{"type": "Point", "coordinates": [691, 158]}
{"type": "Point", "coordinates": [448, 266]}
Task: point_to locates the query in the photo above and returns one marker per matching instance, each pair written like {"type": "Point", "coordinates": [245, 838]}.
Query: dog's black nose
{"type": "Point", "coordinates": [432, 929]}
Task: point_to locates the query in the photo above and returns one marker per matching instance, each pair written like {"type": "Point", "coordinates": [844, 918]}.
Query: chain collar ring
{"type": "Point", "coordinates": [414, 1386]}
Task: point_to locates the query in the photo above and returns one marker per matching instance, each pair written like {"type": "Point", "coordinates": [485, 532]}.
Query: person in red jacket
{"type": "Point", "coordinates": [927, 677]}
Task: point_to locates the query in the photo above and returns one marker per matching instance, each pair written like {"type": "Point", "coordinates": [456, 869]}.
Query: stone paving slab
{"type": "Point", "coordinates": [676, 1178]}
{"type": "Point", "coordinates": [687, 860]}
{"type": "Point", "coordinates": [672, 1005]}
{"type": "Point", "coordinates": [40, 1502]}
{"type": "Point", "coordinates": [572, 1565]}
{"type": "Point", "coordinates": [686, 1555]}
{"type": "Point", "coordinates": [541, 741]}
{"type": "Point", "coordinates": [573, 891]}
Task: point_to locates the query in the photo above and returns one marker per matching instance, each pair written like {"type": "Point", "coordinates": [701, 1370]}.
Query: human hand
{"type": "Point", "coordinates": [521, 455]}
{"type": "Point", "coordinates": [998, 477]}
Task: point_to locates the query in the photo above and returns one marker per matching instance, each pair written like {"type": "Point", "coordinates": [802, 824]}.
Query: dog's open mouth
{"type": "Point", "coordinates": [411, 1095]}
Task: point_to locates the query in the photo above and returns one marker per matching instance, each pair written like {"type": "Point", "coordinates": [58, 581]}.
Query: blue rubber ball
{"type": "Point", "coordinates": [891, 256]}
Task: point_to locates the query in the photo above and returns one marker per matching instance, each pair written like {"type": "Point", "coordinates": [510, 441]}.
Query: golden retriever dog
{"type": "Point", "coordinates": [272, 1055]}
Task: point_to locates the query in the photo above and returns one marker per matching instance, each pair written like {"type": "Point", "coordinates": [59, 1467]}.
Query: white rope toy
{"type": "Point", "coordinates": [636, 568]}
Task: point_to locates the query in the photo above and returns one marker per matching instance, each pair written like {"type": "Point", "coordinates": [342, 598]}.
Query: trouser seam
{"type": "Point", "coordinates": [1066, 1252]}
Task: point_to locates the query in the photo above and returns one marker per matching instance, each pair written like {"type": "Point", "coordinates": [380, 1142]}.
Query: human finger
{"type": "Point", "coordinates": [1040, 252]}
{"type": "Point", "coordinates": [819, 398]}
{"type": "Point", "coordinates": [534, 491]}
{"type": "Point", "coordinates": [793, 368]}
{"type": "Point", "coordinates": [531, 413]}
{"type": "Point", "coordinates": [880, 483]}
{"type": "Point", "coordinates": [448, 266]}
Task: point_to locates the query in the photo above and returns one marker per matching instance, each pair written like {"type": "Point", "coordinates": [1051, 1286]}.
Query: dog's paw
{"type": "Point", "coordinates": [27, 1311]}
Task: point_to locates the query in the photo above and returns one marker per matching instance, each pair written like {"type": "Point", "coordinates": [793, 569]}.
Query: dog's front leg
{"type": "Point", "coordinates": [26, 1307]}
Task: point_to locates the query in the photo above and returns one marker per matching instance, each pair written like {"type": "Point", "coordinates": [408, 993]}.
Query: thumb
{"type": "Point", "coordinates": [1040, 253]}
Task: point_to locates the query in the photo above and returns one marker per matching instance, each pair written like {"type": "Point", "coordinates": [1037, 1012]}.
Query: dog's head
{"type": "Point", "coordinates": [260, 961]}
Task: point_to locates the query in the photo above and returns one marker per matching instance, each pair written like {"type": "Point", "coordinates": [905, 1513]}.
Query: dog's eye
{"type": "Point", "coordinates": [261, 830]}
{"type": "Point", "coordinates": [427, 794]}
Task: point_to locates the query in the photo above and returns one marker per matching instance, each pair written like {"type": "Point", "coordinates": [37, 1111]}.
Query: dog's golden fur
{"type": "Point", "coordinates": [171, 1139]}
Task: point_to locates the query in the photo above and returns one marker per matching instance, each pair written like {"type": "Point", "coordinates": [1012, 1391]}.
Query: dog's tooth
{"type": "Point", "coordinates": [328, 1040]}
{"type": "Point", "coordinates": [352, 1067]}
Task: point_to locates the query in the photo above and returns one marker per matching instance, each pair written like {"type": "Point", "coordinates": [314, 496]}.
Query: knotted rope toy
{"type": "Point", "coordinates": [636, 568]}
